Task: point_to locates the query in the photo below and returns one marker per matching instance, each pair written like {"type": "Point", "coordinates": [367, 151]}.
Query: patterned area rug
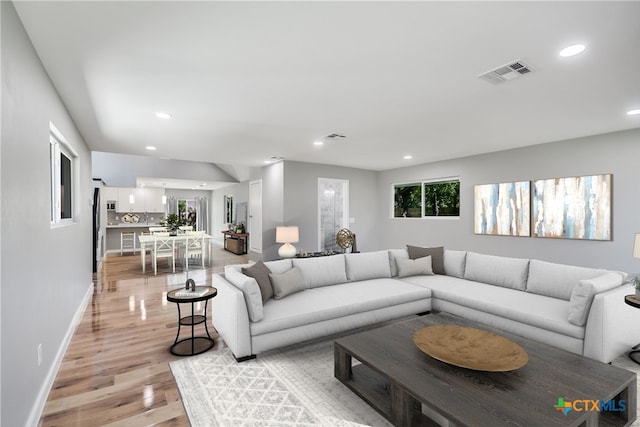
{"type": "Point", "coordinates": [294, 386]}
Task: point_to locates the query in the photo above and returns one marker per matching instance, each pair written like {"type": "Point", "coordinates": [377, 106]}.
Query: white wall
{"type": "Point", "coordinates": [616, 153]}
{"type": "Point", "coordinates": [239, 193]}
{"type": "Point", "coordinates": [46, 272]}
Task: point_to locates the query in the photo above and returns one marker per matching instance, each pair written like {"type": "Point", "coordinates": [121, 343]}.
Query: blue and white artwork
{"type": "Point", "coordinates": [573, 208]}
{"type": "Point", "coordinates": [502, 209]}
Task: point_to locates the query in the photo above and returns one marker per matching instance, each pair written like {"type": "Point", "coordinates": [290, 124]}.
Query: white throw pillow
{"type": "Point", "coordinates": [414, 267]}
{"type": "Point", "coordinates": [250, 290]}
{"type": "Point", "coordinates": [367, 265]}
{"type": "Point", "coordinates": [322, 271]}
{"type": "Point", "coordinates": [583, 293]}
{"type": "Point", "coordinates": [287, 283]}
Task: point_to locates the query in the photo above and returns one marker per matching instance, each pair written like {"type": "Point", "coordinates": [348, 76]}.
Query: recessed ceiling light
{"type": "Point", "coordinates": [162, 115]}
{"type": "Point", "coordinates": [318, 143]}
{"type": "Point", "coordinates": [408, 157]}
{"type": "Point", "coordinates": [150, 147]}
{"type": "Point", "coordinates": [635, 112]}
{"type": "Point", "coordinates": [572, 50]}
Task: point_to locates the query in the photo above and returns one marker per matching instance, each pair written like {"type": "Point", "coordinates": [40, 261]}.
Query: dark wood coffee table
{"type": "Point", "coordinates": [396, 379]}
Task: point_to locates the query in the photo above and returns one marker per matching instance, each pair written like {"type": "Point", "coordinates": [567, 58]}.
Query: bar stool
{"type": "Point", "coordinates": [127, 241]}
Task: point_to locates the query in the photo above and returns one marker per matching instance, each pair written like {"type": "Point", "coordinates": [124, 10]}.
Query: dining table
{"type": "Point", "coordinates": [147, 241]}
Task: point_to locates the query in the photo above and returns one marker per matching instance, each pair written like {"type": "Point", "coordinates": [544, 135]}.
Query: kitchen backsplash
{"type": "Point", "coordinates": [142, 218]}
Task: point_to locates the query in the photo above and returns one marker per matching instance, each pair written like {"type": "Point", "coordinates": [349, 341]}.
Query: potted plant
{"type": "Point", "coordinates": [173, 223]}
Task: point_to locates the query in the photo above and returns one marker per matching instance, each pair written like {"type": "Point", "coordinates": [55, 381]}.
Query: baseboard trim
{"type": "Point", "coordinates": [41, 400]}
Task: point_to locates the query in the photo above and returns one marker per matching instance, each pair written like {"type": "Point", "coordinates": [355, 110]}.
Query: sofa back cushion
{"type": "Point", "coordinates": [497, 270]}
{"type": "Point", "coordinates": [367, 265]}
{"type": "Point", "coordinates": [279, 266]}
{"type": "Point", "coordinates": [395, 254]}
{"type": "Point", "coordinates": [322, 271]}
{"type": "Point", "coordinates": [557, 280]}
{"type": "Point", "coordinates": [454, 263]}
{"type": "Point", "coordinates": [583, 293]}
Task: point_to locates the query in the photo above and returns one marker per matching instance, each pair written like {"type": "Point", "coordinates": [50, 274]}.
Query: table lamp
{"type": "Point", "coordinates": [287, 235]}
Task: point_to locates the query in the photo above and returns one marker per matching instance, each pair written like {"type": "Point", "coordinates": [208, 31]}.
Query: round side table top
{"type": "Point", "coordinates": [201, 293]}
{"type": "Point", "coordinates": [632, 301]}
{"type": "Point", "coordinates": [470, 348]}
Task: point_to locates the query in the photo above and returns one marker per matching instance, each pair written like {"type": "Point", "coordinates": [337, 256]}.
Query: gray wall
{"type": "Point", "coordinates": [296, 188]}
{"type": "Point", "coordinates": [121, 170]}
{"type": "Point", "coordinates": [46, 272]}
{"type": "Point", "coordinates": [616, 153]}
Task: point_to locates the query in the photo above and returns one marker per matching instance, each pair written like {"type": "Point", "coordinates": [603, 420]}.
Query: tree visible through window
{"type": "Point", "coordinates": [407, 201]}
{"type": "Point", "coordinates": [63, 179]}
{"type": "Point", "coordinates": [442, 198]}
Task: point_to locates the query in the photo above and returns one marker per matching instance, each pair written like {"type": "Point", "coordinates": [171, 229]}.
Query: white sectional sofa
{"type": "Point", "coordinates": [578, 309]}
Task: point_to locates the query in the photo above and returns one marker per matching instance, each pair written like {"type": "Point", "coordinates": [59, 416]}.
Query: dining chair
{"type": "Point", "coordinates": [194, 245]}
{"type": "Point", "coordinates": [186, 228]}
{"type": "Point", "coordinates": [127, 242]}
{"type": "Point", "coordinates": [154, 230]}
{"type": "Point", "coordinates": [163, 247]}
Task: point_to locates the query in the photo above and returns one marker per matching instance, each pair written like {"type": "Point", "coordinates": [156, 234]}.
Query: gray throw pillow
{"type": "Point", "coordinates": [287, 283]}
{"type": "Point", "coordinates": [437, 256]}
{"type": "Point", "coordinates": [414, 267]}
{"type": "Point", "coordinates": [260, 272]}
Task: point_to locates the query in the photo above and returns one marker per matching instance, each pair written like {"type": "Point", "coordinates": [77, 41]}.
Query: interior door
{"type": "Point", "coordinates": [255, 216]}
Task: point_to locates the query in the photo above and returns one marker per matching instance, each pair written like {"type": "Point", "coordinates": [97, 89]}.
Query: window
{"type": "Point", "coordinates": [407, 201]}
{"type": "Point", "coordinates": [427, 199]}
{"type": "Point", "coordinates": [63, 164]}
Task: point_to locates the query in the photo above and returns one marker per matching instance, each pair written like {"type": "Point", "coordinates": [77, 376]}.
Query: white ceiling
{"type": "Point", "coordinates": [245, 81]}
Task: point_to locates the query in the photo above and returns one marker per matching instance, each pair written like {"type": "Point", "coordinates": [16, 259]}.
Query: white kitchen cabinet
{"type": "Point", "coordinates": [109, 194]}
{"type": "Point", "coordinates": [126, 203]}
{"type": "Point", "coordinates": [153, 199]}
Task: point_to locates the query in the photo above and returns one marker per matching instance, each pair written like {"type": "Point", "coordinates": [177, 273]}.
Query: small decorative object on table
{"type": "Point", "coordinates": [636, 284]}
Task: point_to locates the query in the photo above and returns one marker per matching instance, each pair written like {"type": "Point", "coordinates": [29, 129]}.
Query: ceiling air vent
{"type": "Point", "coordinates": [506, 72]}
{"type": "Point", "coordinates": [335, 136]}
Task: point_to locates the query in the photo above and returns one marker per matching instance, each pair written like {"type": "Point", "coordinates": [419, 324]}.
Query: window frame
{"type": "Point", "coordinates": [58, 146]}
{"type": "Point", "coordinates": [422, 183]}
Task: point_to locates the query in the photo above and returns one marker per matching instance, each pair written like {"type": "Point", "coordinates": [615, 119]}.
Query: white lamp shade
{"type": "Point", "coordinates": [287, 234]}
{"type": "Point", "coordinates": [636, 246]}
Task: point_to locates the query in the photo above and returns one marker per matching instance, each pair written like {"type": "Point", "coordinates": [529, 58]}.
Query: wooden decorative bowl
{"type": "Point", "coordinates": [470, 348]}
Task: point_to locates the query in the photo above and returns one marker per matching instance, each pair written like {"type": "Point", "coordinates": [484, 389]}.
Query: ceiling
{"type": "Point", "coordinates": [247, 81]}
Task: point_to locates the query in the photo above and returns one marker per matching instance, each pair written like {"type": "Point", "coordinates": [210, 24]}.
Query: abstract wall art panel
{"type": "Point", "coordinates": [502, 209]}
{"type": "Point", "coordinates": [573, 208]}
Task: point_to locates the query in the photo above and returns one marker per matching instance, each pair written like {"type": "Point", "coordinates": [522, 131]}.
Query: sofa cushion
{"type": "Point", "coordinates": [334, 302]}
{"type": "Point", "coordinates": [557, 280]}
{"type": "Point", "coordinates": [322, 271]}
{"type": "Point", "coordinates": [260, 272]}
{"type": "Point", "coordinates": [414, 267]}
{"type": "Point", "coordinates": [279, 266]}
{"type": "Point", "coordinates": [437, 256]}
{"type": "Point", "coordinates": [583, 293]}
{"type": "Point", "coordinates": [250, 290]}
{"type": "Point", "coordinates": [367, 265]}
{"type": "Point", "coordinates": [395, 254]}
{"type": "Point", "coordinates": [287, 283]}
{"type": "Point", "coordinates": [531, 309]}
{"type": "Point", "coordinates": [454, 262]}
{"type": "Point", "coordinates": [497, 270]}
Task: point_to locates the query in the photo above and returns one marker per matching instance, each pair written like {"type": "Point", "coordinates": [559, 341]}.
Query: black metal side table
{"type": "Point", "coordinates": [192, 345]}
{"type": "Point", "coordinates": [633, 302]}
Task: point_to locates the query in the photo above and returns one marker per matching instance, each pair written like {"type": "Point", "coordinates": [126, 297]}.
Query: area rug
{"type": "Point", "coordinates": [294, 386]}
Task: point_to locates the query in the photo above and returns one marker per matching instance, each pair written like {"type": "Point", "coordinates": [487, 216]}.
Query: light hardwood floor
{"type": "Point", "coordinates": [116, 369]}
